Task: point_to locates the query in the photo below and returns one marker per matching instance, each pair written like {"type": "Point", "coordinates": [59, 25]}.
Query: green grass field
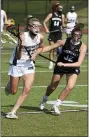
{"type": "Point", "coordinates": [44, 124]}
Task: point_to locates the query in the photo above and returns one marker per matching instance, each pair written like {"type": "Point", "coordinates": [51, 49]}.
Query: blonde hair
{"type": "Point", "coordinates": [30, 21]}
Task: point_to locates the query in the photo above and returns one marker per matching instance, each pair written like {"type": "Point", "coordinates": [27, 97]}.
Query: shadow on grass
{"type": "Point", "coordinates": [30, 108]}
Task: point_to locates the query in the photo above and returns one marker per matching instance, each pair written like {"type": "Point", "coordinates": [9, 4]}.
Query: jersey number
{"type": "Point", "coordinates": [56, 23]}
{"type": "Point", "coordinates": [69, 58]}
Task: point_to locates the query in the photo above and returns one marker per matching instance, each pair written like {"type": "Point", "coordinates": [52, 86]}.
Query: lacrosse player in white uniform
{"type": "Point", "coordinates": [3, 22]}
{"type": "Point", "coordinates": [22, 63]}
{"type": "Point", "coordinates": [71, 19]}
{"type": "Point", "coordinates": [3, 19]}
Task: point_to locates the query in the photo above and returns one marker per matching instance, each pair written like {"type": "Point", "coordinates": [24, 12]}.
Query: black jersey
{"type": "Point", "coordinates": [56, 22]}
{"type": "Point", "coordinates": [70, 52]}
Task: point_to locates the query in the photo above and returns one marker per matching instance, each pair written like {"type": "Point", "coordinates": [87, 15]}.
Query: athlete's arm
{"type": "Point", "coordinates": [66, 19]}
{"type": "Point", "coordinates": [39, 50]}
{"type": "Point", "coordinates": [45, 21]}
{"type": "Point", "coordinates": [80, 60]}
{"type": "Point", "coordinates": [76, 19]}
{"type": "Point", "coordinates": [58, 44]}
{"type": "Point", "coordinates": [63, 21]}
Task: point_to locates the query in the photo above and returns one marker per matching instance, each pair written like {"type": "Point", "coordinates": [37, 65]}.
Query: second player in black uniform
{"type": "Point", "coordinates": [56, 21]}
{"type": "Point", "coordinates": [68, 62]}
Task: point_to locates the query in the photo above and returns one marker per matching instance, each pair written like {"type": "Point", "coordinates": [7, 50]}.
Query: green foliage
{"type": "Point", "coordinates": [19, 9]}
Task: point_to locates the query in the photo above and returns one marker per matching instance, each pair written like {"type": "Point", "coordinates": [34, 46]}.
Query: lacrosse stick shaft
{"type": "Point", "coordinates": [11, 38]}
{"type": "Point", "coordinates": [47, 58]}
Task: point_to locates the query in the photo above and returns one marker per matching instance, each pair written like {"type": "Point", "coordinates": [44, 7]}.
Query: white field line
{"type": "Point", "coordinates": [44, 86]}
{"type": "Point", "coordinates": [43, 71]}
{"type": "Point", "coordinates": [69, 103]}
{"type": "Point", "coordinates": [13, 49]}
{"type": "Point", "coordinates": [42, 62]}
{"type": "Point", "coordinates": [47, 111]}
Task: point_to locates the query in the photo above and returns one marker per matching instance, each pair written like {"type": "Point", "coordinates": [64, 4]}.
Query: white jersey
{"type": "Point", "coordinates": [2, 19]}
{"type": "Point", "coordinates": [29, 45]}
{"type": "Point", "coordinates": [71, 19]}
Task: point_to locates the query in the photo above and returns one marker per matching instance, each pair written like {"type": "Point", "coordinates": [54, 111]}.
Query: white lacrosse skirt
{"type": "Point", "coordinates": [21, 70]}
{"type": "Point", "coordinates": [70, 27]}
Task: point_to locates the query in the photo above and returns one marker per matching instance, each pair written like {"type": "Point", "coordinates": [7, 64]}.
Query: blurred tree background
{"type": "Point", "coordinates": [19, 9]}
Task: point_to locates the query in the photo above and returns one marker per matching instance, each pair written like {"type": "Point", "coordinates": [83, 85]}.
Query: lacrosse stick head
{"type": "Point", "coordinates": [10, 22]}
{"type": "Point", "coordinates": [13, 30]}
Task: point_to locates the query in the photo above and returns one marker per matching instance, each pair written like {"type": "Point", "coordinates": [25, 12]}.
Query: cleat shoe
{"type": "Point", "coordinates": [55, 110]}
{"type": "Point", "coordinates": [43, 102]}
{"type": "Point", "coordinates": [7, 89]}
{"type": "Point", "coordinates": [51, 65]}
{"type": "Point", "coordinates": [11, 115]}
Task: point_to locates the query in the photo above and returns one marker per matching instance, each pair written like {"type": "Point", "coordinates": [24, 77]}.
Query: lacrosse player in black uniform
{"type": "Point", "coordinates": [56, 20]}
{"type": "Point", "coordinates": [68, 62]}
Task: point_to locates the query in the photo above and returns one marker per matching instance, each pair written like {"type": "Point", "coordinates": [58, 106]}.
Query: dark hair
{"type": "Point", "coordinates": [55, 4]}
{"type": "Point", "coordinates": [77, 28]}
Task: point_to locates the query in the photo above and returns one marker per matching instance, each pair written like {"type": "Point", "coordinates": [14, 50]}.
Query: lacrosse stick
{"type": "Point", "coordinates": [15, 31]}
{"type": "Point", "coordinates": [12, 39]}
{"type": "Point", "coordinates": [47, 58]}
{"type": "Point", "coordinates": [81, 25]}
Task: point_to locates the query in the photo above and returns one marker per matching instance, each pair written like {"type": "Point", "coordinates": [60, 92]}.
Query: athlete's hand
{"type": "Point", "coordinates": [47, 31]}
{"type": "Point", "coordinates": [33, 56]}
{"type": "Point", "coordinates": [60, 64]}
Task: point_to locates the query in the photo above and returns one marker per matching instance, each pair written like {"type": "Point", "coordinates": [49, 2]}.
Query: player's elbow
{"type": "Point", "coordinates": [44, 23]}
{"type": "Point", "coordinates": [78, 64]}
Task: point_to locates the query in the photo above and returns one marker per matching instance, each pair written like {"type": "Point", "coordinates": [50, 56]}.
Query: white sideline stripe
{"type": "Point", "coordinates": [42, 71]}
{"type": "Point", "coordinates": [46, 86]}
{"type": "Point", "coordinates": [69, 103]}
{"type": "Point", "coordinates": [66, 101]}
{"type": "Point", "coordinates": [62, 111]}
{"type": "Point", "coordinates": [75, 105]}
{"type": "Point", "coordinates": [13, 49]}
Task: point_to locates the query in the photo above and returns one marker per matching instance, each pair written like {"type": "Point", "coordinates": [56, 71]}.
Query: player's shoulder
{"type": "Point", "coordinates": [2, 11]}
{"type": "Point", "coordinates": [68, 12]}
{"type": "Point", "coordinates": [75, 13]}
{"type": "Point", "coordinates": [41, 36]}
{"type": "Point", "coordinates": [50, 14]}
{"type": "Point", "coordinates": [83, 47]}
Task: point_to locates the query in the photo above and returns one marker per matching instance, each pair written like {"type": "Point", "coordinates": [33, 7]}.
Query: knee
{"type": "Point", "coordinates": [26, 90]}
{"type": "Point", "coordinates": [12, 91]}
{"type": "Point", "coordinates": [68, 88]}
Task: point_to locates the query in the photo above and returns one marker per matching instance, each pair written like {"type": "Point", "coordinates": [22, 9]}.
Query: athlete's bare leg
{"type": "Point", "coordinates": [71, 81]}
{"type": "Point", "coordinates": [51, 56]}
{"type": "Point", "coordinates": [28, 81]}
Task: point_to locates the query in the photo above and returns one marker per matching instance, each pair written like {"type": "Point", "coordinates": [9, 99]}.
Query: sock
{"type": "Point", "coordinates": [51, 63]}
{"type": "Point", "coordinates": [13, 111]}
{"type": "Point", "coordinates": [45, 97]}
{"type": "Point", "coordinates": [58, 102]}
